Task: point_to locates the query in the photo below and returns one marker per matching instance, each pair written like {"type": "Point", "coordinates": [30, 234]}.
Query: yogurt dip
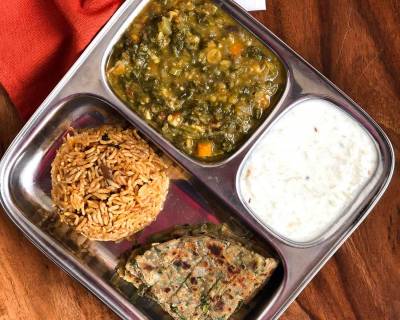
{"type": "Point", "coordinates": [307, 169]}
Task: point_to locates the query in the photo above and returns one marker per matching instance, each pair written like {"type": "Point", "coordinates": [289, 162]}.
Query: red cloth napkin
{"type": "Point", "coordinates": [41, 39]}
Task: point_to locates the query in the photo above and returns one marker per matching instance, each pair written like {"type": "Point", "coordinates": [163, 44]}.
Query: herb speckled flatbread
{"type": "Point", "coordinates": [203, 272]}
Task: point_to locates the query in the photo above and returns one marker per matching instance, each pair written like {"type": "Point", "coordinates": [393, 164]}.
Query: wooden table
{"type": "Point", "coordinates": [356, 44]}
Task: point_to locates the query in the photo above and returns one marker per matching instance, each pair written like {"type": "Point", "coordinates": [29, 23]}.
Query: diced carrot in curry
{"type": "Point", "coordinates": [237, 49]}
{"type": "Point", "coordinates": [204, 149]}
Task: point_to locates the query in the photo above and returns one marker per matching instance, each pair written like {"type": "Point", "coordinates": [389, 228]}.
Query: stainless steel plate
{"type": "Point", "coordinates": [83, 99]}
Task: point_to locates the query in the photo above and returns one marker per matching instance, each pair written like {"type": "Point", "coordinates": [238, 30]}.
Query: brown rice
{"type": "Point", "coordinates": [108, 183]}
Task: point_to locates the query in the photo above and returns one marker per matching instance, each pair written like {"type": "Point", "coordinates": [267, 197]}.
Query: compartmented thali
{"type": "Point", "coordinates": [201, 190]}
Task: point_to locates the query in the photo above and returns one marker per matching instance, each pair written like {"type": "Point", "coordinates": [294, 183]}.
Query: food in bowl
{"type": "Point", "coordinates": [307, 169]}
{"type": "Point", "coordinates": [108, 183]}
{"type": "Point", "coordinates": [203, 273]}
{"type": "Point", "coordinates": [197, 76]}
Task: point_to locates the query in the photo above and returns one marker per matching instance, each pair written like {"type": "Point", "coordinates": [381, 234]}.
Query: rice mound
{"type": "Point", "coordinates": [108, 183]}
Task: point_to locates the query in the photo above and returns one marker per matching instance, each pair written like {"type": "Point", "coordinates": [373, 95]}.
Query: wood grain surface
{"type": "Point", "coordinates": [356, 44]}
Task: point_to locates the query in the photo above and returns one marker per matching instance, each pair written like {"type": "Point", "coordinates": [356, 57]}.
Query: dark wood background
{"type": "Point", "coordinates": [356, 44]}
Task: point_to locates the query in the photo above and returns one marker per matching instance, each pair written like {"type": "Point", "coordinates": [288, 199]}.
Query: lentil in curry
{"type": "Point", "coordinates": [196, 75]}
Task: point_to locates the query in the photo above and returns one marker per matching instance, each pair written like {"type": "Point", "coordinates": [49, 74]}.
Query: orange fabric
{"type": "Point", "coordinates": [41, 39]}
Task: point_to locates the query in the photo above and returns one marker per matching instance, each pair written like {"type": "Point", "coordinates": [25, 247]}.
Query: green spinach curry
{"type": "Point", "coordinates": [196, 75]}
